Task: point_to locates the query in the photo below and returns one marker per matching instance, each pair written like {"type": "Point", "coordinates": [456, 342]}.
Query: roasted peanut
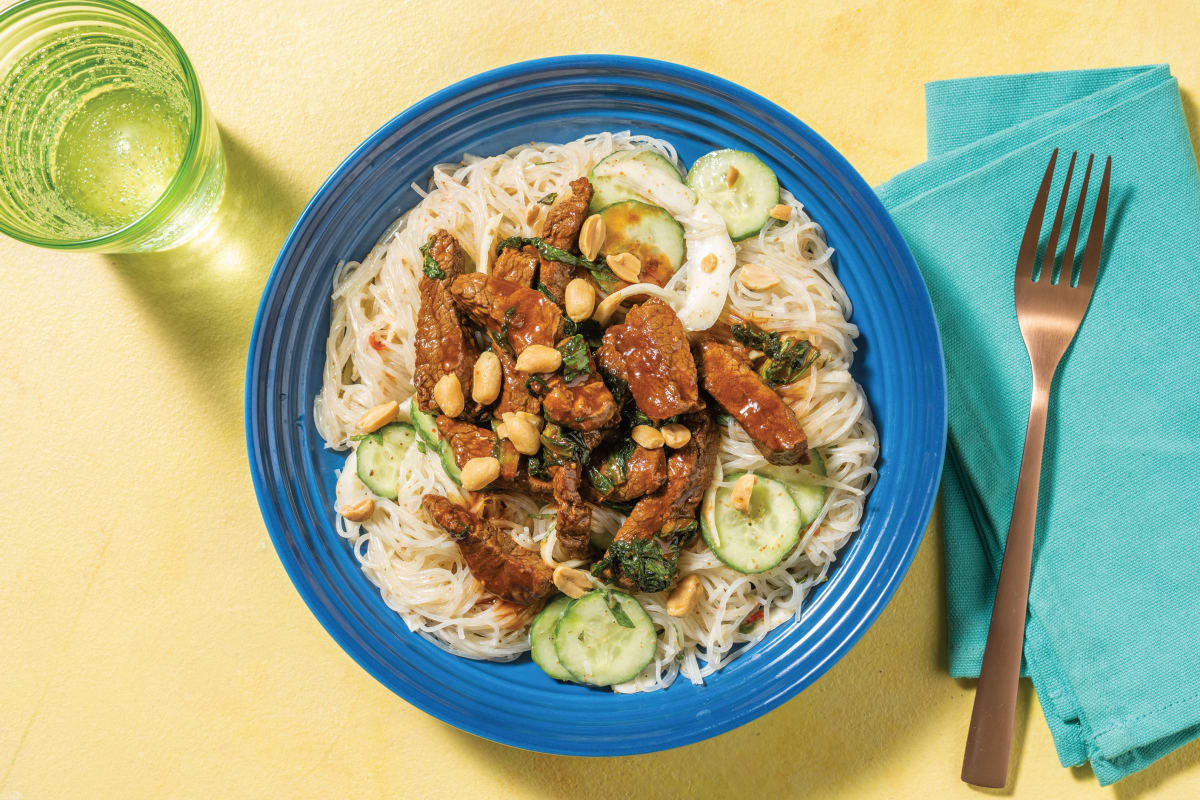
{"type": "Point", "coordinates": [448, 394]}
{"type": "Point", "coordinates": [648, 437]}
{"type": "Point", "coordinates": [479, 472]}
{"type": "Point", "coordinates": [708, 263]}
{"type": "Point", "coordinates": [625, 266]}
{"type": "Point", "coordinates": [781, 212]}
{"type": "Point", "coordinates": [357, 512]}
{"type": "Point", "coordinates": [539, 358]}
{"type": "Point", "coordinates": [535, 420]}
{"type": "Point", "coordinates": [572, 582]}
{"type": "Point", "coordinates": [743, 487]}
{"type": "Point", "coordinates": [524, 436]}
{"type": "Point", "coordinates": [591, 236]}
{"type": "Point", "coordinates": [606, 307]}
{"type": "Point", "coordinates": [378, 416]}
{"type": "Point", "coordinates": [683, 598]}
{"type": "Point", "coordinates": [731, 176]}
{"type": "Point", "coordinates": [485, 384]}
{"type": "Point", "coordinates": [580, 299]}
{"type": "Point", "coordinates": [676, 435]}
{"type": "Point", "coordinates": [757, 278]}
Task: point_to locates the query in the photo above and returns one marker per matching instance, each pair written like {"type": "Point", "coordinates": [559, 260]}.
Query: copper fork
{"type": "Point", "coordinates": [1050, 307]}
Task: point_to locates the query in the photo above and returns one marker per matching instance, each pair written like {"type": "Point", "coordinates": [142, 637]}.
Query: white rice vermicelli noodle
{"type": "Point", "coordinates": [370, 359]}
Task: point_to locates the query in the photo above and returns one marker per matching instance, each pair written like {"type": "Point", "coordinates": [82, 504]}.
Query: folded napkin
{"type": "Point", "coordinates": [1113, 636]}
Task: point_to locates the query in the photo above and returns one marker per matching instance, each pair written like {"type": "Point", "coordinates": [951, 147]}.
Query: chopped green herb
{"type": "Point", "coordinates": [508, 317]}
{"type": "Point", "coordinates": [544, 289]}
{"type": "Point", "coordinates": [575, 360]}
{"type": "Point", "coordinates": [429, 263]}
{"type": "Point", "coordinates": [618, 613]}
{"type": "Point", "coordinates": [590, 329]}
{"type": "Point", "coordinates": [639, 418]}
{"type": "Point", "coordinates": [421, 448]}
{"type": "Point", "coordinates": [724, 419]}
{"type": "Point", "coordinates": [600, 481]}
{"type": "Point", "coordinates": [536, 384]}
{"type": "Point", "coordinates": [500, 342]}
{"type": "Point", "coordinates": [787, 359]}
{"type": "Point", "coordinates": [548, 199]}
{"type": "Point", "coordinates": [642, 561]}
{"type": "Point", "coordinates": [600, 271]}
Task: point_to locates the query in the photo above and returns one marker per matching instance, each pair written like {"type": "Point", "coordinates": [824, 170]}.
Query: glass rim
{"type": "Point", "coordinates": [195, 99]}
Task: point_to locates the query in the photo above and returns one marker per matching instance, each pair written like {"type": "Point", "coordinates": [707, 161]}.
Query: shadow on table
{"type": "Point", "coordinates": [1147, 782]}
{"type": "Point", "coordinates": [1192, 114]}
{"type": "Point", "coordinates": [204, 293]}
{"type": "Point", "coordinates": [867, 715]}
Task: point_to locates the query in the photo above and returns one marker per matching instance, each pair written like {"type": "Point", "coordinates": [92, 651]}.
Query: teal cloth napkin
{"type": "Point", "coordinates": [1113, 636]}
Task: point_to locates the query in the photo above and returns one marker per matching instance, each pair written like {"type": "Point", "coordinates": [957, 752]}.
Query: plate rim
{"type": "Point", "coordinates": [925, 492]}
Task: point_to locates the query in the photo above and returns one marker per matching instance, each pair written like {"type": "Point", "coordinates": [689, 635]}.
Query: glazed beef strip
{"type": "Point", "coordinates": [635, 473]}
{"type": "Point", "coordinates": [673, 506]}
{"type": "Point", "coordinates": [505, 569]}
{"type": "Point", "coordinates": [573, 520]}
{"type": "Point", "coordinates": [561, 229]}
{"type": "Point", "coordinates": [584, 403]}
{"type": "Point", "coordinates": [517, 266]}
{"type": "Point", "coordinates": [766, 418]}
{"type": "Point", "coordinates": [514, 393]}
{"type": "Point", "coordinates": [469, 441]}
{"type": "Point", "coordinates": [526, 315]}
{"type": "Point", "coordinates": [656, 358]}
{"type": "Point", "coordinates": [444, 345]}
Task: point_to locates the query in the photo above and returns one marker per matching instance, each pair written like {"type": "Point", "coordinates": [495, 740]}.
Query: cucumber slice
{"type": "Point", "coordinates": [759, 540]}
{"type": "Point", "coordinates": [607, 186]}
{"type": "Point", "coordinates": [745, 206]}
{"type": "Point", "coordinates": [809, 497]}
{"type": "Point", "coordinates": [379, 456]}
{"type": "Point", "coordinates": [426, 428]}
{"type": "Point", "coordinates": [449, 464]}
{"type": "Point", "coordinates": [541, 638]}
{"type": "Point", "coordinates": [647, 231]}
{"type": "Point", "coordinates": [398, 436]}
{"type": "Point", "coordinates": [595, 648]}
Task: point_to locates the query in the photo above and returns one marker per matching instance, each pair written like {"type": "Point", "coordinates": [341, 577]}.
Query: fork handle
{"type": "Point", "coordinates": [985, 762]}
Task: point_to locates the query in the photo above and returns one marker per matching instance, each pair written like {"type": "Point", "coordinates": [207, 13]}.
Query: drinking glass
{"type": "Point", "coordinates": [106, 141]}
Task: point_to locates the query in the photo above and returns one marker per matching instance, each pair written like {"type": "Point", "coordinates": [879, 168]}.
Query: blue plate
{"type": "Point", "coordinates": [556, 100]}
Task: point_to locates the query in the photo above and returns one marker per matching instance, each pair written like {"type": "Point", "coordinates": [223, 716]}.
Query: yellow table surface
{"type": "Point", "coordinates": [151, 644]}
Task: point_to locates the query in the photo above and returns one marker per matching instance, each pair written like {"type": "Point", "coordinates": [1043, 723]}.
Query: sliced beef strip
{"type": "Point", "coordinates": [689, 472]}
{"type": "Point", "coordinates": [573, 520]}
{"type": "Point", "coordinates": [517, 266]}
{"type": "Point", "coordinates": [657, 359]}
{"type": "Point", "coordinates": [498, 305]}
{"type": "Point", "coordinates": [505, 569]}
{"type": "Point", "coordinates": [583, 404]}
{"type": "Point", "coordinates": [469, 441]}
{"type": "Point", "coordinates": [561, 229]}
{"type": "Point", "coordinates": [514, 394]}
{"type": "Point", "coordinates": [766, 418]}
{"type": "Point", "coordinates": [673, 506]}
{"type": "Point", "coordinates": [644, 472]}
{"type": "Point", "coordinates": [444, 345]}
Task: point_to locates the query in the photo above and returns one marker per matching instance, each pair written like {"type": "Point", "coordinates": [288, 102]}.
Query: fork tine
{"type": "Point", "coordinates": [1095, 242]}
{"type": "Point", "coordinates": [1056, 228]}
{"type": "Point", "coordinates": [1068, 262]}
{"type": "Point", "coordinates": [1033, 228]}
